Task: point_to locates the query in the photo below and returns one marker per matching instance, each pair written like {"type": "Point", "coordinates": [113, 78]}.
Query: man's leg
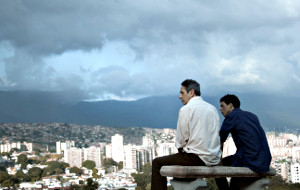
{"type": "Point", "coordinates": [222, 182]}
{"type": "Point", "coordinates": [159, 182]}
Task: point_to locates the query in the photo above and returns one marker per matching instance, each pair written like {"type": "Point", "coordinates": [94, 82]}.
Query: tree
{"type": "Point", "coordinates": [35, 173]}
{"type": "Point", "coordinates": [7, 183]}
{"type": "Point", "coordinates": [55, 167]}
{"type": "Point", "coordinates": [22, 177]}
{"type": "Point", "coordinates": [76, 170]}
{"type": "Point", "coordinates": [89, 164]}
{"type": "Point", "coordinates": [95, 174]}
{"type": "Point", "coordinates": [91, 185]}
{"type": "Point", "coordinates": [3, 176]}
{"type": "Point", "coordinates": [3, 169]}
{"type": "Point", "coordinates": [144, 178]}
{"type": "Point", "coordinates": [7, 154]}
{"type": "Point", "coordinates": [120, 165]}
{"type": "Point", "coordinates": [75, 187]}
{"type": "Point", "coordinates": [23, 160]}
{"type": "Point", "coordinates": [37, 151]}
{"type": "Point", "coordinates": [277, 183]}
{"type": "Point", "coordinates": [108, 163]}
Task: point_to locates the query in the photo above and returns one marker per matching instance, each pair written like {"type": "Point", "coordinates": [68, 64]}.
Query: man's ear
{"type": "Point", "coordinates": [231, 106]}
{"type": "Point", "coordinates": [192, 91]}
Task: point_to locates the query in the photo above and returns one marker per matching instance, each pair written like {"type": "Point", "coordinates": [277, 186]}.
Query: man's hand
{"type": "Point", "coordinates": [180, 150]}
{"type": "Point", "coordinates": [221, 163]}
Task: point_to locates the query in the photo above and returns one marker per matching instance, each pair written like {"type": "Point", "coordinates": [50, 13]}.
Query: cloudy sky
{"type": "Point", "coordinates": [103, 49]}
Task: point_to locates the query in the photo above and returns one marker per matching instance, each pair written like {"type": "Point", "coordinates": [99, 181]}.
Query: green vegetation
{"type": "Point", "coordinates": [35, 173]}
{"type": "Point", "coordinates": [76, 170]}
{"type": "Point", "coordinates": [23, 160]}
{"type": "Point", "coordinates": [143, 178]}
{"type": "Point", "coordinates": [277, 183]}
{"type": "Point", "coordinates": [22, 177]}
{"type": "Point", "coordinates": [89, 164]}
{"type": "Point", "coordinates": [55, 167]}
{"type": "Point", "coordinates": [91, 185]}
{"type": "Point", "coordinates": [95, 174]}
{"type": "Point", "coordinates": [109, 163]}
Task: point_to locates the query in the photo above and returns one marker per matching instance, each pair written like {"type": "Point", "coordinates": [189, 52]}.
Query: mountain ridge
{"type": "Point", "coordinates": [274, 112]}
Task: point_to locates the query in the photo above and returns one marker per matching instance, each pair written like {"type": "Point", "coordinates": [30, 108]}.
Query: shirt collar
{"type": "Point", "coordinates": [195, 98]}
{"type": "Point", "coordinates": [234, 110]}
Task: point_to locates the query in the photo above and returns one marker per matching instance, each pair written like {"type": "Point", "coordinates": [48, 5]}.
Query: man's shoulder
{"type": "Point", "coordinates": [198, 103]}
{"type": "Point", "coordinates": [237, 112]}
{"type": "Point", "coordinates": [248, 113]}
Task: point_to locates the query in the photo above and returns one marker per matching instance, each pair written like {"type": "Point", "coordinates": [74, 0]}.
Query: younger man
{"type": "Point", "coordinates": [249, 138]}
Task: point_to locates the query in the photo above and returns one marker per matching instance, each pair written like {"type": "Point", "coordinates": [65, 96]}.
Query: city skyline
{"type": "Point", "coordinates": [284, 147]}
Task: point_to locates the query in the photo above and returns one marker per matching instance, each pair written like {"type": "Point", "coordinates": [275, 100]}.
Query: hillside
{"type": "Point", "coordinates": [154, 112]}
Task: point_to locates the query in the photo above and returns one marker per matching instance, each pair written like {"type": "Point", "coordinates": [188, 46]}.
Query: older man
{"type": "Point", "coordinates": [197, 137]}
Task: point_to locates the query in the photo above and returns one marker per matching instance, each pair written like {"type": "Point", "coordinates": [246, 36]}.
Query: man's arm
{"type": "Point", "coordinates": [183, 131]}
{"type": "Point", "coordinates": [227, 126]}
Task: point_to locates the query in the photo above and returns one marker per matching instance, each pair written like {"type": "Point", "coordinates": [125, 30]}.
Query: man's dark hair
{"type": "Point", "coordinates": [230, 98]}
{"type": "Point", "coordinates": [190, 84]}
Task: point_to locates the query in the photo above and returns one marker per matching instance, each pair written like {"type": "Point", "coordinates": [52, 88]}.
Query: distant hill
{"type": "Point", "coordinates": [154, 112]}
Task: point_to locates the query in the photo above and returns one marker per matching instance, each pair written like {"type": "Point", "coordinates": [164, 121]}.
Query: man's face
{"type": "Point", "coordinates": [226, 108]}
{"type": "Point", "coordinates": [185, 96]}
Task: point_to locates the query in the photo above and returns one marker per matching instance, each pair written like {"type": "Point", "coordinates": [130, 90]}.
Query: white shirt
{"type": "Point", "coordinates": [198, 130]}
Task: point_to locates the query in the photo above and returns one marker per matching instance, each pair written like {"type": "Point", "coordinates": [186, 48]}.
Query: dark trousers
{"type": "Point", "coordinates": [159, 182]}
{"type": "Point", "coordinates": [222, 182]}
{"type": "Point", "coordinates": [235, 181]}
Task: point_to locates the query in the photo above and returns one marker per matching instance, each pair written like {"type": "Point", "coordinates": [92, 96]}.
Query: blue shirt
{"type": "Point", "coordinates": [249, 138]}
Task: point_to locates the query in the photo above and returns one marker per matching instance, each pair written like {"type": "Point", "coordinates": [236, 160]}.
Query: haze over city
{"type": "Point", "coordinates": [127, 50]}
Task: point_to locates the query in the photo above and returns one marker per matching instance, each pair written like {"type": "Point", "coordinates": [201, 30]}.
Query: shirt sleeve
{"type": "Point", "coordinates": [227, 126]}
{"type": "Point", "coordinates": [183, 131]}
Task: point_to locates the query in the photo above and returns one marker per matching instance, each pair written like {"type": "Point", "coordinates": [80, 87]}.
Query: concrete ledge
{"type": "Point", "coordinates": [184, 185]}
{"type": "Point", "coordinates": [213, 172]}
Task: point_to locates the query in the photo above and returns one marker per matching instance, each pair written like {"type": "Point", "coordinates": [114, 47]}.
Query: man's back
{"type": "Point", "coordinates": [203, 124]}
{"type": "Point", "coordinates": [250, 140]}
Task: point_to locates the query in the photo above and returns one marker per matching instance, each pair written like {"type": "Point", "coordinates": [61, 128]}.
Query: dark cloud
{"type": "Point", "coordinates": [224, 44]}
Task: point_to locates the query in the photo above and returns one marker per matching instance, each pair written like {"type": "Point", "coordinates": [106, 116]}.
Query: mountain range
{"type": "Point", "coordinates": [275, 112]}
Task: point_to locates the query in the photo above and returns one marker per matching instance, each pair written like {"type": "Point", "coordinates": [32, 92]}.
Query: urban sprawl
{"type": "Point", "coordinates": [285, 150]}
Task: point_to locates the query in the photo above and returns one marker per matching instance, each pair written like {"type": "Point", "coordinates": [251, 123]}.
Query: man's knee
{"type": "Point", "coordinates": [162, 161]}
{"type": "Point", "coordinates": [156, 162]}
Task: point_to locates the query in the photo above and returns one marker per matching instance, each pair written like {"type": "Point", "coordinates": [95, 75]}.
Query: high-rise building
{"type": "Point", "coordinates": [74, 156]}
{"type": "Point", "coordinates": [62, 146]}
{"type": "Point", "coordinates": [7, 147]}
{"type": "Point", "coordinates": [147, 140]}
{"type": "Point", "coordinates": [93, 153]}
{"type": "Point", "coordinates": [144, 156]}
{"type": "Point", "coordinates": [108, 151]}
{"type": "Point", "coordinates": [164, 149]}
{"type": "Point", "coordinates": [117, 148]}
{"type": "Point", "coordinates": [130, 160]}
{"type": "Point", "coordinates": [102, 146]}
{"type": "Point", "coordinates": [295, 173]}
{"type": "Point", "coordinates": [137, 156]}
